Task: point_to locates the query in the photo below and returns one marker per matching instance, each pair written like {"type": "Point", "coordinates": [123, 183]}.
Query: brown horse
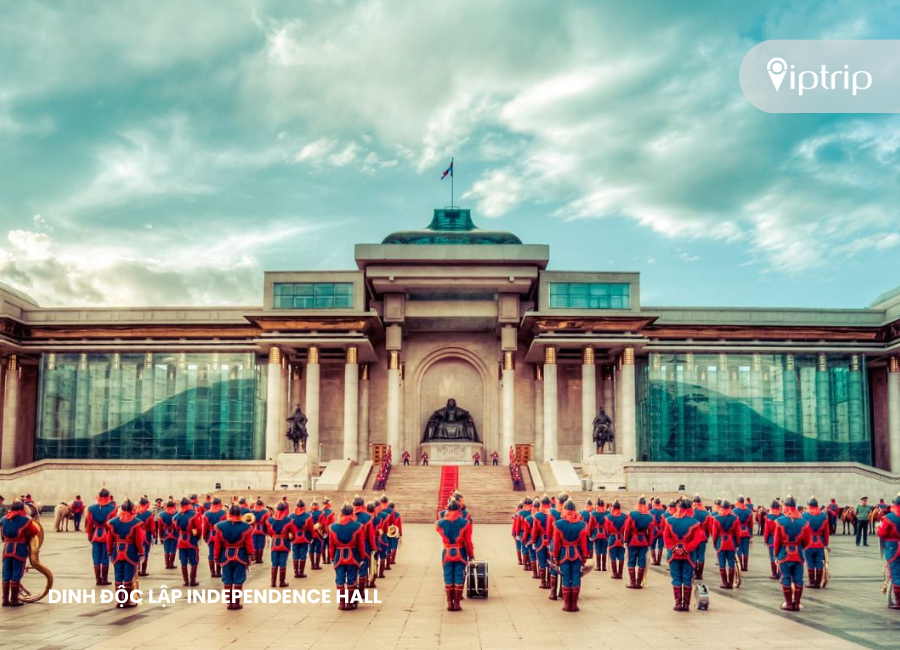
{"type": "Point", "coordinates": [760, 516]}
{"type": "Point", "coordinates": [875, 515]}
{"type": "Point", "coordinates": [848, 517]}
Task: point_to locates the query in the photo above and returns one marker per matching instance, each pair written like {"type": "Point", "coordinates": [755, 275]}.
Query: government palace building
{"type": "Point", "coordinates": [197, 398]}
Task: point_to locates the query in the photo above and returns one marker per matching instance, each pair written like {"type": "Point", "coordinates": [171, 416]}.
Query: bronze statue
{"type": "Point", "coordinates": [297, 432]}
{"type": "Point", "coordinates": [603, 431]}
{"type": "Point", "coordinates": [450, 423]}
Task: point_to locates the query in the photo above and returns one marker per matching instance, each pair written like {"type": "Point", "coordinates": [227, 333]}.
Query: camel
{"type": "Point", "coordinates": [62, 513]}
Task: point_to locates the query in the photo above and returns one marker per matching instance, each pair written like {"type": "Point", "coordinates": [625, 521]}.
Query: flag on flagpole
{"type": "Point", "coordinates": [448, 171]}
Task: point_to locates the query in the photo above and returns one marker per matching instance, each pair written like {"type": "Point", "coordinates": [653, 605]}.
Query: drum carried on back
{"type": "Point", "coordinates": [477, 579]}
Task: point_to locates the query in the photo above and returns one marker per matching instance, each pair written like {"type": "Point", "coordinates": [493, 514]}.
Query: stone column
{"type": "Point", "coordinates": [351, 405]}
{"type": "Point", "coordinates": [538, 455]}
{"type": "Point", "coordinates": [312, 407]}
{"type": "Point", "coordinates": [551, 405]}
{"type": "Point", "coordinates": [10, 413]}
{"type": "Point", "coordinates": [629, 428]}
{"type": "Point", "coordinates": [893, 389]}
{"type": "Point", "coordinates": [362, 437]}
{"type": "Point", "coordinates": [393, 405]}
{"type": "Point", "coordinates": [274, 421]}
{"type": "Point", "coordinates": [588, 403]}
{"type": "Point", "coordinates": [509, 407]}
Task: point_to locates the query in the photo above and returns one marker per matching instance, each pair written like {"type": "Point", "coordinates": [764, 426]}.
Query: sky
{"type": "Point", "coordinates": [167, 153]}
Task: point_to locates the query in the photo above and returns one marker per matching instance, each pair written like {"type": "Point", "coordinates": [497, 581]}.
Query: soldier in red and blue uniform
{"type": "Point", "coordinates": [97, 527]}
{"type": "Point", "coordinates": [126, 543]}
{"type": "Point", "coordinates": [188, 525]}
{"type": "Point", "coordinates": [527, 546]}
{"type": "Point", "coordinates": [819, 536]}
{"type": "Point", "coordinates": [656, 543]}
{"type": "Point", "coordinates": [682, 534]}
{"type": "Point", "coordinates": [834, 513]}
{"type": "Point", "coordinates": [304, 534]}
{"type": "Point", "coordinates": [145, 515]}
{"type": "Point", "coordinates": [570, 545]}
{"type": "Point", "coordinates": [260, 514]}
{"type": "Point", "coordinates": [315, 544]}
{"type": "Point", "coordinates": [394, 542]}
{"type": "Point", "coordinates": [745, 519]}
{"type": "Point", "coordinates": [347, 541]}
{"type": "Point", "coordinates": [361, 513]}
{"type": "Point", "coordinates": [598, 534]}
{"type": "Point", "coordinates": [725, 533]}
{"type": "Point", "coordinates": [233, 543]}
{"type": "Point", "coordinates": [328, 519]}
{"type": "Point", "coordinates": [280, 527]}
{"type": "Point", "coordinates": [792, 537]}
{"type": "Point", "coordinates": [541, 532]}
{"type": "Point", "coordinates": [165, 527]}
{"type": "Point", "coordinates": [456, 536]}
{"type": "Point", "coordinates": [638, 531]}
{"type": "Point", "coordinates": [589, 520]}
{"type": "Point", "coordinates": [381, 523]}
{"type": "Point", "coordinates": [519, 530]}
{"type": "Point", "coordinates": [77, 509]}
{"type": "Point", "coordinates": [701, 514]}
{"type": "Point", "coordinates": [889, 534]}
{"type": "Point", "coordinates": [18, 529]}
{"type": "Point", "coordinates": [769, 537]}
{"type": "Point", "coordinates": [615, 529]}
{"type": "Point", "coordinates": [212, 516]}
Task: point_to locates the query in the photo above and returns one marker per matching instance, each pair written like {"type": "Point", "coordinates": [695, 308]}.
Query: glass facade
{"type": "Point", "coordinates": [197, 406]}
{"type": "Point", "coordinates": [753, 408]}
{"type": "Point", "coordinates": [590, 295]}
{"type": "Point", "coordinates": [313, 295]}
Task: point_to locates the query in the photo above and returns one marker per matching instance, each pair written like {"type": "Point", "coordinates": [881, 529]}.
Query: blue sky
{"type": "Point", "coordinates": [169, 152]}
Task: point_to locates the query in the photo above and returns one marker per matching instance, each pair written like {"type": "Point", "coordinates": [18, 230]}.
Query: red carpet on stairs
{"type": "Point", "coordinates": [449, 483]}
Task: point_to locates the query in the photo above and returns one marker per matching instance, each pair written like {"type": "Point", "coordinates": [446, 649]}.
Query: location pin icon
{"type": "Point", "coordinates": [777, 69]}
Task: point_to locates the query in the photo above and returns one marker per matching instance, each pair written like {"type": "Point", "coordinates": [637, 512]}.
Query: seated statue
{"type": "Point", "coordinates": [450, 423]}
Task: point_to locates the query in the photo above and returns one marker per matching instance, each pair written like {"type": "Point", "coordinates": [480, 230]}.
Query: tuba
{"type": "Point", "coordinates": [248, 518]}
{"type": "Point", "coordinates": [34, 562]}
{"type": "Point", "coordinates": [393, 531]}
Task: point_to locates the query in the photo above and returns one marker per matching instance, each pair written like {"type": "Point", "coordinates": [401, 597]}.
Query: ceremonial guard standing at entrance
{"type": "Point", "coordinates": [456, 536]}
{"type": "Point", "coordinates": [97, 527]}
{"type": "Point", "coordinates": [570, 542]}
{"type": "Point", "coordinates": [681, 535]}
{"type": "Point", "coordinates": [638, 531]}
{"type": "Point", "coordinates": [126, 546]}
{"type": "Point", "coordinates": [615, 529]}
{"type": "Point", "coordinates": [280, 528]}
{"type": "Point", "coordinates": [233, 543]}
{"type": "Point", "coordinates": [348, 544]}
{"type": "Point", "coordinates": [819, 530]}
{"type": "Point", "coordinates": [18, 529]}
{"type": "Point", "coordinates": [188, 525]}
{"type": "Point", "coordinates": [725, 532]}
{"type": "Point", "coordinates": [792, 537]}
{"type": "Point", "coordinates": [211, 517]}
{"type": "Point", "coordinates": [889, 533]}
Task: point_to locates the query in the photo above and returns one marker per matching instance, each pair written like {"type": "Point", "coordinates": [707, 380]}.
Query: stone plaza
{"type": "Point", "coordinates": [850, 612]}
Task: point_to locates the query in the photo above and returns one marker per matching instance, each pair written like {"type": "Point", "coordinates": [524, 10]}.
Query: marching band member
{"type": "Point", "coordinates": [636, 534]}
{"type": "Point", "coordinates": [456, 535]}
{"type": "Point", "coordinates": [615, 527]}
{"type": "Point", "coordinates": [146, 516]}
{"type": "Point", "coordinates": [361, 513]}
{"type": "Point", "coordinates": [212, 516]}
{"type": "Point", "coordinates": [745, 518]}
{"type": "Point", "coordinates": [394, 542]}
{"type": "Point", "coordinates": [77, 509]}
{"type": "Point", "coordinates": [281, 529]}
{"type": "Point", "coordinates": [17, 529]}
{"type": "Point", "coordinates": [889, 533]}
{"type": "Point", "coordinates": [304, 534]}
{"type": "Point", "coordinates": [347, 540]}
{"type": "Point", "coordinates": [187, 525]}
{"type": "Point", "coordinates": [327, 520]}
{"type": "Point", "coordinates": [682, 535]}
{"type": "Point", "coordinates": [232, 539]}
{"type": "Point", "coordinates": [792, 537]}
{"type": "Point", "coordinates": [599, 536]}
{"type": "Point", "coordinates": [570, 535]}
{"type": "Point", "coordinates": [815, 552]}
{"type": "Point", "coordinates": [769, 537]}
{"type": "Point", "coordinates": [260, 514]}
{"type": "Point", "coordinates": [701, 514]}
{"type": "Point", "coordinates": [165, 526]}
{"type": "Point", "coordinates": [834, 513]}
{"type": "Point", "coordinates": [541, 523]}
{"type": "Point", "coordinates": [656, 544]}
{"type": "Point", "coordinates": [725, 532]}
{"type": "Point", "coordinates": [589, 520]}
{"type": "Point", "coordinates": [316, 541]}
{"type": "Point", "coordinates": [126, 546]}
{"type": "Point", "coordinates": [97, 527]}
{"type": "Point", "coordinates": [517, 533]}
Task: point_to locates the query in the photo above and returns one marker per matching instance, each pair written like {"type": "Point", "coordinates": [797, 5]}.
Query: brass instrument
{"type": "Point", "coordinates": [825, 571]}
{"type": "Point", "coordinates": [393, 532]}
{"type": "Point", "coordinates": [320, 530]}
{"type": "Point", "coordinates": [738, 575]}
{"type": "Point", "coordinates": [886, 585]}
{"type": "Point", "coordinates": [34, 562]}
{"type": "Point", "coordinates": [248, 518]}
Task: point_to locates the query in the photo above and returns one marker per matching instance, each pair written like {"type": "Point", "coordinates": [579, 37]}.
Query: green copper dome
{"type": "Point", "coordinates": [451, 226]}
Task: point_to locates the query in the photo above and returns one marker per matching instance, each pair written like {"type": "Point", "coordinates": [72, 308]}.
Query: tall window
{"type": "Point", "coordinates": [590, 295]}
{"type": "Point", "coordinates": [313, 295]}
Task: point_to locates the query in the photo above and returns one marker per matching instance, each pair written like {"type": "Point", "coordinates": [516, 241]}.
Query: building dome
{"type": "Point", "coordinates": [451, 226]}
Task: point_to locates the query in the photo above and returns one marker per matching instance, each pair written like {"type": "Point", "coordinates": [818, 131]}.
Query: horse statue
{"type": "Point", "coordinates": [604, 433]}
{"type": "Point", "coordinates": [297, 432]}
{"type": "Point", "coordinates": [62, 513]}
{"type": "Point", "coordinates": [848, 517]}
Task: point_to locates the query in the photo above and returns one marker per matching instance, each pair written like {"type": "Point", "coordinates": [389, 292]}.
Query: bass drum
{"type": "Point", "coordinates": [477, 580]}
{"type": "Point", "coordinates": [700, 596]}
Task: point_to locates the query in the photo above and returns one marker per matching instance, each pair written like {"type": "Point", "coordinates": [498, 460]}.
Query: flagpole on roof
{"type": "Point", "coordinates": [451, 181]}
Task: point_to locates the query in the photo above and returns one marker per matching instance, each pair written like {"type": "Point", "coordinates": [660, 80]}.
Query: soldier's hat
{"type": "Point", "coordinates": [642, 501]}
{"type": "Point", "coordinates": [897, 499]}
{"type": "Point", "coordinates": [740, 499]}
{"type": "Point", "coordinates": [864, 499]}
{"type": "Point", "coordinates": [813, 502]}
{"type": "Point", "coordinates": [588, 503]}
{"type": "Point", "coordinates": [570, 505]}
{"type": "Point", "coordinates": [697, 498]}
{"type": "Point", "coordinates": [790, 501]}
{"type": "Point", "coordinates": [616, 505]}
{"type": "Point", "coordinates": [775, 503]}
{"type": "Point", "coordinates": [726, 504]}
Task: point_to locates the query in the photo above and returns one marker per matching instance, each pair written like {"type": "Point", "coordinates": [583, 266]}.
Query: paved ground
{"type": "Point", "coordinates": [850, 612]}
